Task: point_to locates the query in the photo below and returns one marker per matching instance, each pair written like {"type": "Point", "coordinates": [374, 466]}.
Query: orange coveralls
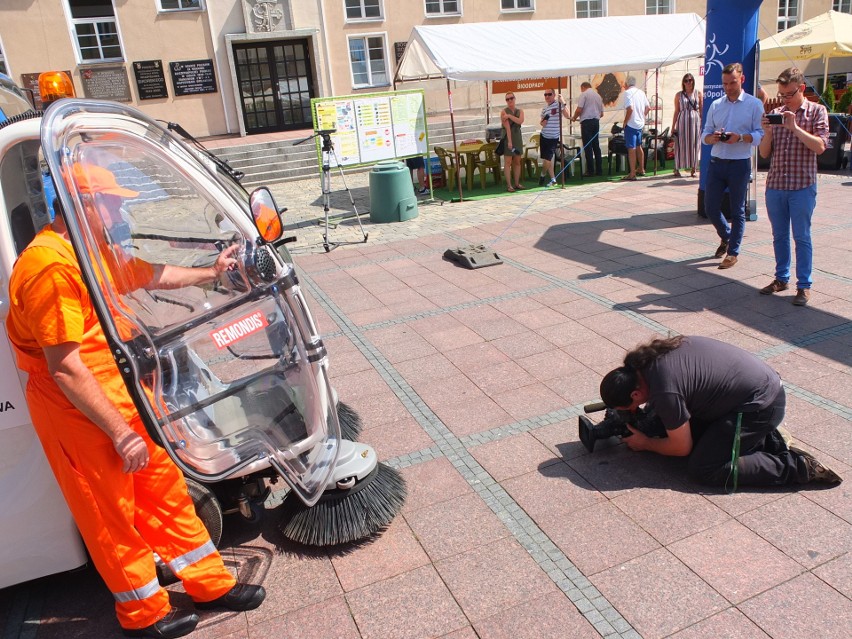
{"type": "Point", "coordinates": [122, 517]}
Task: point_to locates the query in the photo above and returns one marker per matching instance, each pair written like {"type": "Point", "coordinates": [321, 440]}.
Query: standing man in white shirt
{"type": "Point", "coordinates": [636, 109]}
{"type": "Point", "coordinates": [590, 111]}
{"type": "Point", "coordinates": [733, 127]}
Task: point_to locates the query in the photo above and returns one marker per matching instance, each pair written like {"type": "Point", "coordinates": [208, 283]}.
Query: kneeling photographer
{"type": "Point", "coordinates": [720, 405]}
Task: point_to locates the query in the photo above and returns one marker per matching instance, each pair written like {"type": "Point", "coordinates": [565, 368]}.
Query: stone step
{"type": "Point", "coordinates": [279, 160]}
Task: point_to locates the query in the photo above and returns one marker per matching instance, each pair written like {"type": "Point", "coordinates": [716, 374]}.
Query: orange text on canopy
{"type": "Point", "coordinates": [238, 329]}
{"type": "Point", "coordinates": [533, 84]}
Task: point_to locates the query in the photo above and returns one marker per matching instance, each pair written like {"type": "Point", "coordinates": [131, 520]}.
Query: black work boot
{"type": "Point", "coordinates": [240, 597]}
{"type": "Point", "coordinates": [176, 623]}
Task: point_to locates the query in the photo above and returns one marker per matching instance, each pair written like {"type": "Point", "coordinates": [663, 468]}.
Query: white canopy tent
{"type": "Point", "coordinates": [549, 48]}
{"type": "Point", "coordinates": [826, 36]}
{"type": "Point", "coordinates": [514, 50]}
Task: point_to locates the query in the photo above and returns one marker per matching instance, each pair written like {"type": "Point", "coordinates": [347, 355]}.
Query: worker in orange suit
{"type": "Point", "coordinates": [128, 498]}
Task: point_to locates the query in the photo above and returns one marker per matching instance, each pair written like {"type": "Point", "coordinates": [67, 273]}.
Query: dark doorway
{"type": "Point", "coordinates": [276, 85]}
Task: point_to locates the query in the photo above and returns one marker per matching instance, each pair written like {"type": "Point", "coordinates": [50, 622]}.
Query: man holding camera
{"type": "Point", "coordinates": [720, 405]}
{"type": "Point", "coordinates": [733, 127]}
{"type": "Point", "coordinates": [794, 135]}
{"type": "Point", "coordinates": [550, 128]}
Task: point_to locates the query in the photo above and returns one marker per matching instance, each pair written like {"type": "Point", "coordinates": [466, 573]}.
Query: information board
{"type": "Point", "coordinates": [193, 76]}
{"type": "Point", "coordinates": [106, 83]}
{"type": "Point", "coordinates": [150, 79]}
{"type": "Point", "coordinates": [372, 126]}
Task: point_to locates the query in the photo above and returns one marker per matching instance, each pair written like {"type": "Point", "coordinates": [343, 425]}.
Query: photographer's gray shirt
{"type": "Point", "coordinates": [705, 379]}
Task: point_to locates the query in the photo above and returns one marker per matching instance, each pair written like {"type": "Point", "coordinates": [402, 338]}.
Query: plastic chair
{"type": "Point", "coordinates": [449, 170]}
{"type": "Point", "coordinates": [531, 155]}
{"type": "Point", "coordinates": [656, 143]}
{"type": "Point", "coordinates": [490, 161]}
{"type": "Point", "coordinates": [616, 147]}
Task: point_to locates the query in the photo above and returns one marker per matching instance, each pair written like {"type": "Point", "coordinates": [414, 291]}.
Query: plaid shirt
{"type": "Point", "coordinates": [793, 165]}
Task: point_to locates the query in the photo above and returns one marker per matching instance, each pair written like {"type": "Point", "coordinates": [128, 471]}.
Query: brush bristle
{"type": "Point", "coordinates": [350, 422]}
{"type": "Point", "coordinates": [341, 517]}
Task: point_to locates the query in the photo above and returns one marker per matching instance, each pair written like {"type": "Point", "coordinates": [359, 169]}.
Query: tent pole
{"type": "Point", "coordinates": [561, 141]}
{"type": "Point", "coordinates": [455, 143]}
{"type": "Point", "coordinates": [487, 104]}
{"type": "Point", "coordinates": [825, 73]}
{"type": "Point", "coordinates": [657, 116]}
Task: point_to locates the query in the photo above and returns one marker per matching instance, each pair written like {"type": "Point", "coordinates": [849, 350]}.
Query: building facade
{"type": "Point", "coordinates": [252, 66]}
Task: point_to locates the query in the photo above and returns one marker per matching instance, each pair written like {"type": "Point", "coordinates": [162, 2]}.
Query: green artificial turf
{"type": "Point", "coordinates": [492, 190]}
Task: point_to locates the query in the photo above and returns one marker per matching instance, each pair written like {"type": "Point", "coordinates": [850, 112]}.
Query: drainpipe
{"type": "Point", "coordinates": [326, 53]}
{"type": "Point", "coordinates": [214, 36]}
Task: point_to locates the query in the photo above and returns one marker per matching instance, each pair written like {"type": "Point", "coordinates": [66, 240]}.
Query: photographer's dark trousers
{"type": "Point", "coordinates": [590, 134]}
{"type": "Point", "coordinates": [764, 459]}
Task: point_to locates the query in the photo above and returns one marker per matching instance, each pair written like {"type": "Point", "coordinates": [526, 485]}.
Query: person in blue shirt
{"type": "Point", "coordinates": [733, 128]}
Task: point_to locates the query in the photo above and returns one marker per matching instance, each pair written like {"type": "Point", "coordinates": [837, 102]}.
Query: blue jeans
{"type": "Point", "coordinates": [786, 209]}
{"type": "Point", "coordinates": [733, 175]}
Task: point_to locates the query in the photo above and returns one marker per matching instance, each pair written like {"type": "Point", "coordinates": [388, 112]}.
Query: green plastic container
{"type": "Point", "coordinates": [392, 197]}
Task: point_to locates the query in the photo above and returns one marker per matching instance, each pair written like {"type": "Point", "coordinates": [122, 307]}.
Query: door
{"type": "Point", "coordinates": [222, 363]}
{"type": "Point", "coordinates": [276, 85]}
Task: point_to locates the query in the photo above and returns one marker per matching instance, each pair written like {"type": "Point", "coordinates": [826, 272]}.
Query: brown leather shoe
{"type": "Point", "coordinates": [775, 287]}
{"type": "Point", "coordinates": [729, 261]}
{"type": "Point", "coordinates": [817, 471]}
{"type": "Point", "coordinates": [803, 295]}
{"type": "Point", "coordinates": [723, 248]}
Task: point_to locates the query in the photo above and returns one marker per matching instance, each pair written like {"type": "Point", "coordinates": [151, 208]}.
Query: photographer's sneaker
{"type": "Point", "coordinates": [552, 182]}
{"type": "Point", "coordinates": [423, 191]}
{"type": "Point", "coordinates": [786, 435]}
{"type": "Point", "coordinates": [817, 471]}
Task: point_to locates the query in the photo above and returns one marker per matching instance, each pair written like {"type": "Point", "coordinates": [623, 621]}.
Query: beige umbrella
{"type": "Point", "coordinates": [826, 36]}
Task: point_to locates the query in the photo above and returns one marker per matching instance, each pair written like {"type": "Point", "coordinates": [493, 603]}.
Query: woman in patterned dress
{"type": "Point", "coordinates": [686, 126]}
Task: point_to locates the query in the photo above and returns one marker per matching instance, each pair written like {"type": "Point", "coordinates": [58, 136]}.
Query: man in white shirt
{"type": "Point", "coordinates": [636, 109]}
{"type": "Point", "coordinates": [590, 111]}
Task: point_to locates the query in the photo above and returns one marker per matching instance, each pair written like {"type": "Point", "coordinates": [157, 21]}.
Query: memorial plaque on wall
{"type": "Point", "coordinates": [150, 79]}
{"type": "Point", "coordinates": [30, 81]}
{"type": "Point", "coordinates": [106, 83]}
{"type": "Point", "coordinates": [398, 50]}
{"type": "Point", "coordinates": [193, 76]}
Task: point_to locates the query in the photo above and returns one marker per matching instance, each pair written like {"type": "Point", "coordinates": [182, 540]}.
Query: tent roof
{"type": "Point", "coordinates": [549, 48]}
{"type": "Point", "coordinates": [828, 34]}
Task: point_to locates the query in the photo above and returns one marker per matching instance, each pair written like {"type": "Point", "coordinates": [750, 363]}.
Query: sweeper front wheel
{"type": "Point", "coordinates": [344, 515]}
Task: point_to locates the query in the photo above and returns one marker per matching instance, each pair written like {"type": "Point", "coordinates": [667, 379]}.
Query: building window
{"type": "Point", "coordinates": [843, 6]}
{"type": "Point", "coordinates": [96, 30]}
{"type": "Point", "coordinates": [591, 8]}
{"type": "Point", "coordinates": [369, 61]}
{"type": "Point", "coordinates": [443, 8]}
{"type": "Point", "coordinates": [517, 5]}
{"type": "Point", "coordinates": [658, 7]}
{"type": "Point", "coordinates": [180, 5]}
{"type": "Point", "coordinates": [788, 14]}
{"type": "Point", "coordinates": [363, 9]}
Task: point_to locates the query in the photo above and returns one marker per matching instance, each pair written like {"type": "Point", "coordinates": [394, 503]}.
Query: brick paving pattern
{"type": "Point", "coordinates": [470, 382]}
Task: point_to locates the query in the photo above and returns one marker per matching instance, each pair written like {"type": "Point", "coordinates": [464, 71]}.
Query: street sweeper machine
{"type": "Point", "coordinates": [230, 377]}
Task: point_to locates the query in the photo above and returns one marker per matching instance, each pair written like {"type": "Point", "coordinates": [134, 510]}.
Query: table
{"type": "Point", "coordinates": [471, 153]}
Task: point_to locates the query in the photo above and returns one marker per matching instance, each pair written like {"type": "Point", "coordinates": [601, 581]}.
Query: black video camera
{"type": "Point", "coordinates": [614, 424]}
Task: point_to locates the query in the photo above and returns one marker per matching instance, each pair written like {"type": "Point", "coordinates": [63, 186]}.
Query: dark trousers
{"type": "Point", "coordinates": [764, 459]}
{"type": "Point", "coordinates": [733, 175]}
{"type": "Point", "coordinates": [590, 133]}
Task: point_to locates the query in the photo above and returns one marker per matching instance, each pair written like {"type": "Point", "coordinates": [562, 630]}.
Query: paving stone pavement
{"type": "Point", "coordinates": [470, 382]}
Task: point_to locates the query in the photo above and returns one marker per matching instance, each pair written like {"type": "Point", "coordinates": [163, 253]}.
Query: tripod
{"type": "Point", "coordinates": [327, 155]}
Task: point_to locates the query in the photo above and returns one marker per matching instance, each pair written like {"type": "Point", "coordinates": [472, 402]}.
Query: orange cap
{"type": "Point", "coordinates": [96, 179]}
